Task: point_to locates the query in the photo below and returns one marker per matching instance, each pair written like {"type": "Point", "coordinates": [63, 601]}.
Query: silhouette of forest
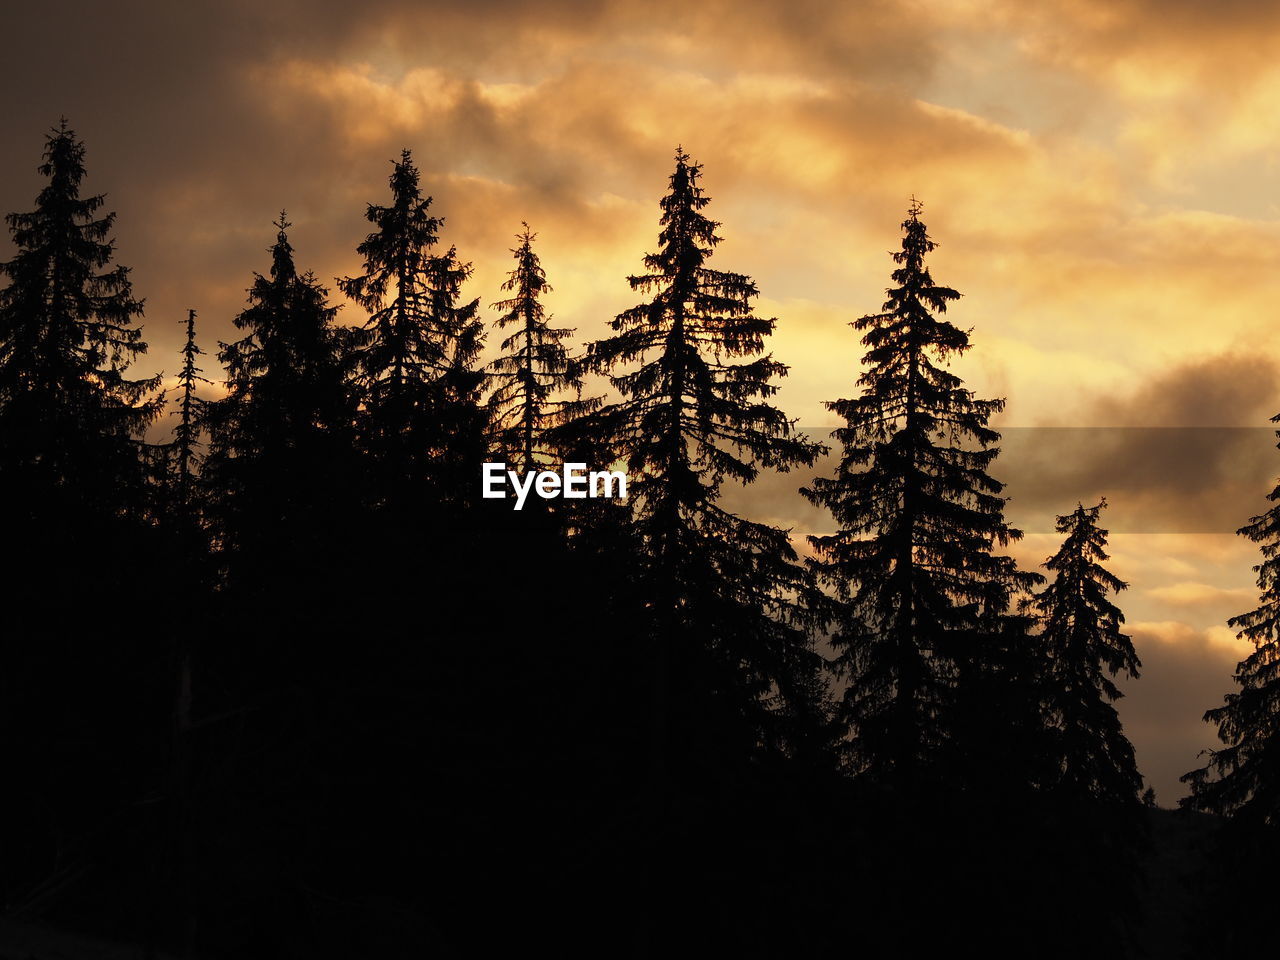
{"type": "Point", "coordinates": [285, 684]}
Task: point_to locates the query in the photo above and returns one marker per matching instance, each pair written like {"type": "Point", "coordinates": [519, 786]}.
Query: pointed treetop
{"type": "Point", "coordinates": [529, 274]}
{"type": "Point", "coordinates": [190, 351]}
{"type": "Point", "coordinates": [1084, 513]}
{"type": "Point", "coordinates": [684, 184]}
{"type": "Point", "coordinates": [64, 162]}
{"type": "Point", "coordinates": [190, 409]}
{"type": "Point", "coordinates": [282, 267]}
{"type": "Point", "coordinates": [404, 181]}
{"type": "Point", "coordinates": [1085, 541]}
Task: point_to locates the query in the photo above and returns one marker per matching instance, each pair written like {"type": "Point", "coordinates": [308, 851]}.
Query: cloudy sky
{"type": "Point", "coordinates": [1102, 176]}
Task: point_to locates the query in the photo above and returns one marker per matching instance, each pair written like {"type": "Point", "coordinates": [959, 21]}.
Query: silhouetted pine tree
{"type": "Point", "coordinates": [1083, 640]}
{"type": "Point", "coordinates": [726, 595]}
{"type": "Point", "coordinates": [280, 441]}
{"type": "Point", "coordinates": [534, 369]}
{"type": "Point", "coordinates": [81, 720]}
{"type": "Point", "coordinates": [1242, 779]}
{"type": "Point", "coordinates": [190, 594]}
{"type": "Point", "coordinates": [176, 464]}
{"type": "Point", "coordinates": [190, 566]}
{"type": "Point", "coordinates": [422, 421]}
{"type": "Point", "coordinates": [191, 415]}
{"type": "Point", "coordinates": [281, 481]}
{"type": "Point", "coordinates": [926, 598]}
{"type": "Point", "coordinates": [70, 418]}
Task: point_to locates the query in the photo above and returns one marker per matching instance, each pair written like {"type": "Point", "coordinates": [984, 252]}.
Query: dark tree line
{"type": "Point", "coordinates": [287, 685]}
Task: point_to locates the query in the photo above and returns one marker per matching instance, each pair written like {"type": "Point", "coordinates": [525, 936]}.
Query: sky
{"type": "Point", "coordinates": [1102, 177]}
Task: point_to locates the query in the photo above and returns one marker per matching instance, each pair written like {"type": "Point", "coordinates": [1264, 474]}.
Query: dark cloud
{"type": "Point", "coordinates": [1233, 389]}
{"type": "Point", "coordinates": [1156, 480]}
{"type": "Point", "coordinates": [1184, 452]}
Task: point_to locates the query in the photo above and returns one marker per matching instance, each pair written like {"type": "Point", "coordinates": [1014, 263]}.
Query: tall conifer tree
{"type": "Point", "coordinates": [75, 511]}
{"type": "Point", "coordinates": [1085, 647]}
{"type": "Point", "coordinates": [726, 595]}
{"type": "Point", "coordinates": [280, 438]}
{"type": "Point", "coordinates": [416, 360]}
{"type": "Point", "coordinates": [70, 417]}
{"type": "Point", "coordinates": [191, 414]}
{"type": "Point", "coordinates": [534, 370]}
{"type": "Point", "coordinates": [281, 477]}
{"type": "Point", "coordinates": [192, 577]}
{"type": "Point", "coordinates": [1242, 779]}
{"type": "Point", "coordinates": [926, 597]}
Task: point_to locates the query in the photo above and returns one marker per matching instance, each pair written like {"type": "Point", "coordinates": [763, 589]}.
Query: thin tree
{"type": "Point", "coordinates": [422, 421]}
{"type": "Point", "coordinates": [1083, 640]}
{"type": "Point", "coordinates": [727, 598]}
{"type": "Point", "coordinates": [924, 593]}
{"type": "Point", "coordinates": [195, 579]}
{"type": "Point", "coordinates": [191, 414]}
{"type": "Point", "coordinates": [1242, 779]}
{"type": "Point", "coordinates": [535, 369]}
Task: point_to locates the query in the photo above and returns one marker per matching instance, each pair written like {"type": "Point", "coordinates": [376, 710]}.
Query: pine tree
{"type": "Point", "coordinates": [280, 439]}
{"type": "Point", "coordinates": [191, 414]}
{"type": "Point", "coordinates": [75, 511]}
{"type": "Point", "coordinates": [534, 369]}
{"type": "Point", "coordinates": [70, 418]}
{"type": "Point", "coordinates": [422, 421]}
{"type": "Point", "coordinates": [188, 565]}
{"type": "Point", "coordinates": [1083, 641]}
{"type": "Point", "coordinates": [925, 621]}
{"type": "Point", "coordinates": [726, 596]}
{"type": "Point", "coordinates": [1242, 779]}
{"type": "Point", "coordinates": [193, 579]}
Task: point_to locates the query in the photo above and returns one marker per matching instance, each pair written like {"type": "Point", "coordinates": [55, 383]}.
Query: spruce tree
{"type": "Point", "coordinates": [1085, 647]}
{"type": "Point", "coordinates": [79, 707]}
{"type": "Point", "coordinates": [191, 414]}
{"type": "Point", "coordinates": [192, 584]}
{"type": "Point", "coordinates": [1242, 779]}
{"type": "Point", "coordinates": [70, 417]}
{"type": "Point", "coordinates": [280, 441]}
{"type": "Point", "coordinates": [925, 622]}
{"type": "Point", "coordinates": [188, 564]}
{"type": "Point", "coordinates": [726, 597]}
{"type": "Point", "coordinates": [422, 422]}
{"type": "Point", "coordinates": [534, 369]}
